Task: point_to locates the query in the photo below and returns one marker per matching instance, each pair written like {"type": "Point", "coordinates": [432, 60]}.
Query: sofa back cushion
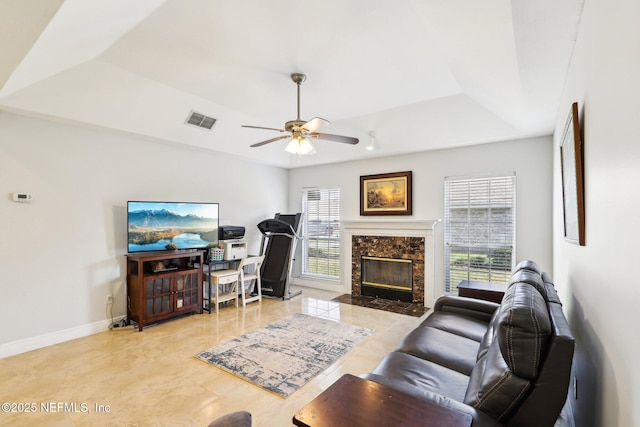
{"type": "Point", "coordinates": [547, 396]}
{"type": "Point", "coordinates": [532, 278]}
{"type": "Point", "coordinates": [527, 264]}
{"type": "Point", "coordinates": [552, 294]}
{"type": "Point", "coordinates": [525, 272]}
{"type": "Point", "coordinates": [509, 366]}
{"type": "Point", "coordinates": [523, 330]}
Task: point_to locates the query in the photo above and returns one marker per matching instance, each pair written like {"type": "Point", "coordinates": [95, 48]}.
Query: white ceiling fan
{"type": "Point", "coordinates": [300, 131]}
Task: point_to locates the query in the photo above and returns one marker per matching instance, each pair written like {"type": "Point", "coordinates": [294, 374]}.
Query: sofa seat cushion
{"type": "Point", "coordinates": [436, 346]}
{"type": "Point", "coordinates": [405, 368]}
{"type": "Point", "coordinates": [464, 326]}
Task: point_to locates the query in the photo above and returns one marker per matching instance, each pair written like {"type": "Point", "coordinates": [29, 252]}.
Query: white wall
{"type": "Point", "coordinates": [598, 282]}
{"type": "Point", "coordinates": [62, 254]}
{"type": "Point", "coordinates": [531, 159]}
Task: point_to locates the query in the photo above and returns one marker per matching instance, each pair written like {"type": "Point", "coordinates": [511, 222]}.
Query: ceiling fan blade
{"type": "Point", "coordinates": [314, 124]}
{"type": "Point", "coordinates": [258, 144]}
{"type": "Point", "coordinates": [337, 138]}
{"type": "Point", "coordinates": [260, 127]}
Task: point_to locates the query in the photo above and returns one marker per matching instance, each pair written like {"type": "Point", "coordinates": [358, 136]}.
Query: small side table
{"type": "Point", "coordinates": [355, 402]}
{"type": "Point", "coordinates": [228, 279]}
{"type": "Point", "coordinates": [212, 267]}
{"type": "Point", "coordinates": [482, 290]}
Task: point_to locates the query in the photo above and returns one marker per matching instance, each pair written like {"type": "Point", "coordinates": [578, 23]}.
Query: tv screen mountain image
{"type": "Point", "coordinates": [159, 226]}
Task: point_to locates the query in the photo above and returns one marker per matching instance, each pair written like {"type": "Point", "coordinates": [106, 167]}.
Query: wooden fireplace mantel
{"type": "Point", "coordinates": [415, 227]}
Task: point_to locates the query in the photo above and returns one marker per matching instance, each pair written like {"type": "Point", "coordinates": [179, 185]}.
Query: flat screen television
{"type": "Point", "coordinates": [161, 226]}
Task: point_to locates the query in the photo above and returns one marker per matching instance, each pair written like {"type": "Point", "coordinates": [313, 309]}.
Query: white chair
{"type": "Point", "coordinates": [250, 279]}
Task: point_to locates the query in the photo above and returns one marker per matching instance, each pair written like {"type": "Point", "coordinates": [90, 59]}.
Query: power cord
{"type": "Point", "coordinates": [110, 313]}
{"type": "Point", "coordinates": [121, 324]}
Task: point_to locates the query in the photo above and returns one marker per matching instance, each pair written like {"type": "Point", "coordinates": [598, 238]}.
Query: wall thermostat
{"type": "Point", "coordinates": [22, 197]}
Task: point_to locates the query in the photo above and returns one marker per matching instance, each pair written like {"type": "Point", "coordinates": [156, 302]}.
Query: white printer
{"type": "Point", "coordinates": [231, 238]}
{"type": "Point", "coordinates": [234, 249]}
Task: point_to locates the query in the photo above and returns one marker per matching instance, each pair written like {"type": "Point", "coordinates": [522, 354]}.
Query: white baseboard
{"type": "Point", "coordinates": [57, 337]}
{"type": "Point", "coordinates": [327, 285]}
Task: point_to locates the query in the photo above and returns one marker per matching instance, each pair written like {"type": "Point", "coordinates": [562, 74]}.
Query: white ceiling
{"type": "Point", "coordinates": [421, 74]}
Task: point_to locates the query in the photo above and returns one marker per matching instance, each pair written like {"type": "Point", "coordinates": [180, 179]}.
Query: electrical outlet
{"type": "Point", "coordinates": [110, 299]}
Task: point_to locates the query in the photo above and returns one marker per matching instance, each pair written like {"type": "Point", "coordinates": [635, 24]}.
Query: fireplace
{"type": "Point", "coordinates": [409, 249]}
{"type": "Point", "coordinates": [388, 278]}
{"type": "Point", "coordinates": [411, 240]}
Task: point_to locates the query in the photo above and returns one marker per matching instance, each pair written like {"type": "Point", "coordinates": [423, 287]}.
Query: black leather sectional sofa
{"type": "Point", "coordinates": [505, 364]}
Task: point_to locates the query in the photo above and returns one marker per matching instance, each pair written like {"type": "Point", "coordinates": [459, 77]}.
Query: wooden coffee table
{"type": "Point", "coordinates": [355, 402]}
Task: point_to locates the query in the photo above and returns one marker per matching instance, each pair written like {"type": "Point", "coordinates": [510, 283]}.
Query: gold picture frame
{"type": "Point", "coordinates": [386, 194]}
{"type": "Point", "coordinates": [572, 166]}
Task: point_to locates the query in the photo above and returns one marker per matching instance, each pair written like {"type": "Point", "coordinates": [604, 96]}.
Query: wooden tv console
{"type": "Point", "coordinates": [161, 285]}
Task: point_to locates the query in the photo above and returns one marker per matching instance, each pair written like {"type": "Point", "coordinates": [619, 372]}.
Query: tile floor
{"type": "Point", "coordinates": [150, 378]}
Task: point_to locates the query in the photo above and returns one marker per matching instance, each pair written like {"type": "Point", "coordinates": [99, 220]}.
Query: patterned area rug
{"type": "Point", "coordinates": [283, 356]}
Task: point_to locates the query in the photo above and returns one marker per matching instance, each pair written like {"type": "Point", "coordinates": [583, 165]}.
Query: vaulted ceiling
{"type": "Point", "coordinates": [421, 74]}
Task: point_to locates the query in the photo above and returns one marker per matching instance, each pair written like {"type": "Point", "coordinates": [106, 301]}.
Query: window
{"type": "Point", "coordinates": [321, 232]}
{"type": "Point", "coordinates": [479, 229]}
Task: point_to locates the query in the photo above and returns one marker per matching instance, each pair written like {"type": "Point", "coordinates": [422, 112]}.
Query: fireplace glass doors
{"type": "Point", "coordinates": [388, 278]}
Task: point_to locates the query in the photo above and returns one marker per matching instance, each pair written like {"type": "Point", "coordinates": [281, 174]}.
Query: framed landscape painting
{"type": "Point", "coordinates": [571, 160]}
{"type": "Point", "coordinates": [386, 194]}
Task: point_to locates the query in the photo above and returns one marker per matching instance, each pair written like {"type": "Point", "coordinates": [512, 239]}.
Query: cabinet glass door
{"type": "Point", "coordinates": [186, 290]}
{"type": "Point", "coordinates": [158, 295]}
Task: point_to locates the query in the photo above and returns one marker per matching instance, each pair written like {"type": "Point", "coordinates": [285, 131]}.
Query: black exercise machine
{"type": "Point", "coordinates": [279, 238]}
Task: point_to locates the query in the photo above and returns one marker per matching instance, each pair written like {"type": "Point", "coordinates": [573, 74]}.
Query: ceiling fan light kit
{"type": "Point", "coordinates": [300, 130]}
{"type": "Point", "coordinates": [300, 146]}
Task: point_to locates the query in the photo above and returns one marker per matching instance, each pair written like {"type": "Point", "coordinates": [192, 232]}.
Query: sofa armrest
{"type": "Point", "coordinates": [477, 308]}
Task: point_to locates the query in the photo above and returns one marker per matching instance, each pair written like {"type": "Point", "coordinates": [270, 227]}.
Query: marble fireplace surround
{"type": "Point", "coordinates": [391, 228]}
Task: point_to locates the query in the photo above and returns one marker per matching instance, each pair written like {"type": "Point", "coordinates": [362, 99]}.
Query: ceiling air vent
{"type": "Point", "coordinates": [200, 120]}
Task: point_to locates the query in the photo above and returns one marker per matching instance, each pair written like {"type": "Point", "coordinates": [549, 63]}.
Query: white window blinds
{"type": "Point", "coordinates": [321, 231]}
{"type": "Point", "coordinates": [479, 228]}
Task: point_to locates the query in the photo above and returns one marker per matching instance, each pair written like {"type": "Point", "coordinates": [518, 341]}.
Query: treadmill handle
{"type": "Point", "coordinates": [275, 227]}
